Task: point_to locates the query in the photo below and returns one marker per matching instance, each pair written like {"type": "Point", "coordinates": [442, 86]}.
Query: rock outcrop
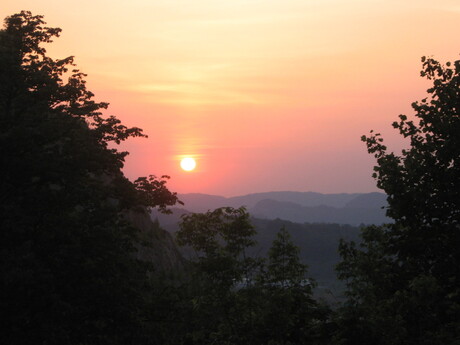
{"type": "Point", "coordinates": [156, 245]}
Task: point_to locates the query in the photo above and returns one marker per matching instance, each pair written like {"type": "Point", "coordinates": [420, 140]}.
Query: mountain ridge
{"type": "Point", "coordinates": [300, 207]}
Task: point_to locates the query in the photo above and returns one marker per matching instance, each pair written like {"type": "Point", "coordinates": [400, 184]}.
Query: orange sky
{"type": "Point", "coordinates": [265, 94]}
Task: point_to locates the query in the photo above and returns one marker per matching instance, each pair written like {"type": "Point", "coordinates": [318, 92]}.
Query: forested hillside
{"type": "Point", "coordinates": [318, 243]}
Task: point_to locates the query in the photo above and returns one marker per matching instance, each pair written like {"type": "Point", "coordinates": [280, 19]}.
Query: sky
{"type": "Point", "coordinates": [266, 95]}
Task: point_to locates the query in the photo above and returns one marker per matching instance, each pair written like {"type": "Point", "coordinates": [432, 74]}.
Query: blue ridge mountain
{"type": "Point", "coordinates": [198, 202]}
{"type": "Point", "coordinates": [300, 207]}
{"type": "Point", "coordinates": [272, 209]}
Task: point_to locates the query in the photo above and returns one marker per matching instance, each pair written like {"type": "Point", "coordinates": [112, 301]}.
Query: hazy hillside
{"type": "Point", "coordinates": [197, 202]}
{"type": "Point", "coordinates": [272, 209]}
{"type": "Point", "coordinates": [318, 244]}
{"type": "Point", "coordinates": [368, 200]}
{"type": "Point", "coordinates": [301, 198]}
{"type": "Point", "coordinates": [301, 207]}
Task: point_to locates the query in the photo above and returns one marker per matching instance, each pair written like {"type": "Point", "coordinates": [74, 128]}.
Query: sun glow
{"type": "Point", "coordinates": [188, 164]}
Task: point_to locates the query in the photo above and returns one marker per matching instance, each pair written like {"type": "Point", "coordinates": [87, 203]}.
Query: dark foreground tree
{"type": "Point", "coordinates": [240, 299]}
{"type": "Point", "coordinates": [287, 312]}
{"type": "Point", "coordinates": [219, 240]}
{"type": "Point", "coordinates": [67, 267]}
{"type": "Point", "coordinates": [404, 280]}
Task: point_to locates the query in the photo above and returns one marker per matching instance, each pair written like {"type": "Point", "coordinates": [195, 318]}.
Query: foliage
{"type": "Point", "coordinates": [219, 239]}
{"type": "Point", "coordinates": [289, 314]}
{"type": "Point", "coordinates": [404, 280]}
{"type": "Point", "coordinates": [284, 267]}
{"type": "Point", "coordinates": [67, 267]}
{"type": "Point", "coordinates": [240, 300]}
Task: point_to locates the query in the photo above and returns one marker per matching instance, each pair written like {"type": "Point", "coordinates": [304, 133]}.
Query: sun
{"type": "Point", "coordinates": [188, 164]}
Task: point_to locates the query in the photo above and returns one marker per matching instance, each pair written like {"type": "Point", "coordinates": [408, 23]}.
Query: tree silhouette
{"type": "Point", "coordinates": [67, 264]}
{"type": "Point", "coordinates": [239, 299]}
{"type": "Point", "coordinates": [404, 282]}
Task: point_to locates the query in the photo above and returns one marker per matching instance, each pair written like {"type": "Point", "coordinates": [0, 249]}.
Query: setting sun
{"type": "Point", "coordinates": [188, 164]}
{"type": "Point", "coordinates": [249, 89]}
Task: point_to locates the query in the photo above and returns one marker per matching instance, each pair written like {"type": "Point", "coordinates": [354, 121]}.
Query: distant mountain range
{"type": "Point", "coordinates": [315, 221]}
{"type": "Point", "coordinates": [300, 207]}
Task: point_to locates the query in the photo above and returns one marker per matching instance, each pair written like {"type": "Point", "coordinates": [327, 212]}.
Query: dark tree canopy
{"type": "Point", "coordinates": [67, 264]}
{"type": "Point", "coordinates": [284, 267]}
{"type": "Point", "coordinates": [240, 299]}
{"type": "Point", "coordinates": [404, 281]}
{"type": "Point", "coordinates": [220, 239]}
{"type": "Point", "coordinates": [423, 184]}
